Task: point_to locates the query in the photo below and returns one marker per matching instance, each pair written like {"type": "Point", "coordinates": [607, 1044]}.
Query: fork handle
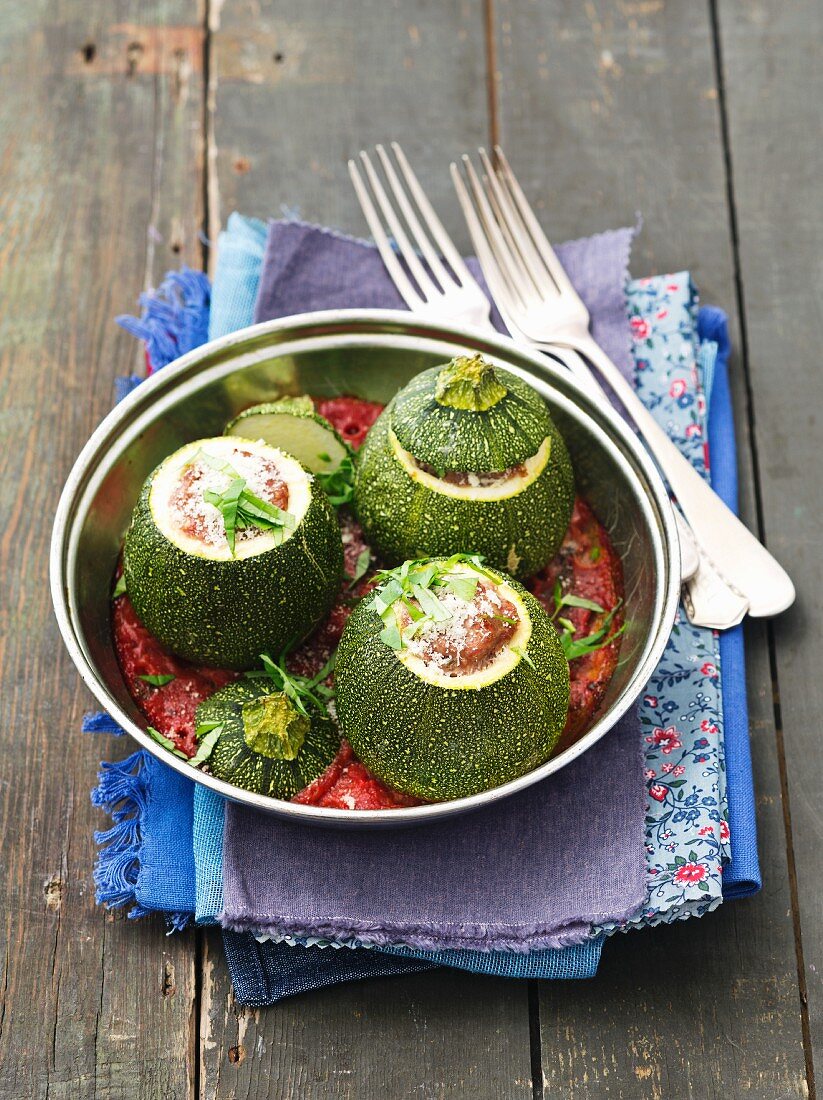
{"type": "Point", "coordinates": [734, 551]}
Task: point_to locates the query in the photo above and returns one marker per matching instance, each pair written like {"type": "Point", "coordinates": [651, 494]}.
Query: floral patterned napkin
{"type": "Point", "coordinates": [687, 832]}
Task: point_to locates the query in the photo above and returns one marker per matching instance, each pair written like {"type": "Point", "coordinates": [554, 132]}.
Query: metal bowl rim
{"type": "Point", "coordinates": [403, 325]}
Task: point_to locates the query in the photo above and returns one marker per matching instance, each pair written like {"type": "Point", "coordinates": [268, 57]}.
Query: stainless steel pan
{"type": "Point", "coordinates": [369, 354]}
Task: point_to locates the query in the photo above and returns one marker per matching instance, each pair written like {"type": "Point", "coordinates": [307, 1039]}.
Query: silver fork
{"type": "Point", "coordinates": [526, 278]}
{"type": "Point", "coordinates": [455, 295]}
{"type": "Point", "coordinates": [444, 294]}
{"type": "Point", "coordinates": [439, 294]}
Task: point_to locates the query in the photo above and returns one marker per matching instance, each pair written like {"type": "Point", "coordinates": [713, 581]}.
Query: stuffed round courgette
{"type": "Point", "coordinates": [466, 457]}
{"type": "Point", "coordinates": [450, 679]}
{"type": "Point", "coordinates": [233, 550]}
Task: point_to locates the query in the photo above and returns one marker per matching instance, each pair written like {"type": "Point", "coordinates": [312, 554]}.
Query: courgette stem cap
{"type": "Point", "coordinates": [469, 383]}
{"type": "Point", "coordinates": [273, 727]}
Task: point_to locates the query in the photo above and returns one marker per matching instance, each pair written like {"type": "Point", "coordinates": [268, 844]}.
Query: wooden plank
{"type": "Point", "coordinates": [299, 87]}
{"type": "Point", "coordinates": [438, 1034]}
{"type": "Point", "coordinates": [100, 122]}
{"type": "Point", "coordinates": [616, 106]}
{"type": "Point", "coordinates": [707, 1008]}
{"type": "Point", "coordinates": [773, 77]}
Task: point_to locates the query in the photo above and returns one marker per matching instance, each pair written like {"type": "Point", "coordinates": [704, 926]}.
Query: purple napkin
{"type": "Point", "coordinates": [535, 871]}
{"type": "Point", "coordinates": [307, 268]}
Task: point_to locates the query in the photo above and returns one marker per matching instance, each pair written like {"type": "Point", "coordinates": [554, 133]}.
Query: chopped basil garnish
{"type": "Point", "coordinates": [430, 604]}
{"type": "Point", "coordinates": [599, 639]}
{"type": "Point", "coordinates": [300, 689]}
{"type": "Point", "coordinates": [578, 601]}
{"type": "Point", "coordinates": [205, 727]}
{"type": "Point", "coordinates": [525, 656]}
{"type": "Point", "coordinates": [219, 464]}
{"type": "Point", "coordinates": [390, 634]}
{"type": "Point", "coordinates": [166, 742]}
{"type": "Point", "coordinates": [208, 734]}
{"type": "Point", "coordinates": [241, 508]}
{"type": "Point", "coordinates": [361, 566]}
{"type": "Point", "coordinates": [463, 586]}
{"type": "Point", "coordinates": [157, 680]}
{"type": "Point", "coordinates": [414, 584]}
{"type": "Point", "coordinates": [339, 484]}
{"type": "Point", "coordinates": [120, 587]}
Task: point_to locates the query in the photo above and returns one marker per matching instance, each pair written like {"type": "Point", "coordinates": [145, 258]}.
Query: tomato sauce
{"type": "Point", "coordinates": [346, 784]}
{"type": "Point", "coordinates": [585, 565]}
{"type": "Point", "coordinates": [169, 708]}
{"type": "Point", "coordinates": [351, 416]}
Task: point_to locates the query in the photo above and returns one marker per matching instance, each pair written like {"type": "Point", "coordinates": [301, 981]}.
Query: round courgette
{"type": "Point", "coordinates": [439, 735]}
{"type": "Point", "coordinates": [216, 592]}
{"type": "Point", "coordinates": [466, 458]}
{"type": "Point", "coordinates": [266, 744]}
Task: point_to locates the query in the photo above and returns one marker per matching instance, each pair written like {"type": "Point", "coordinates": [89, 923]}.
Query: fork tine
{"type": "Point", "coordinates": [540, 239]}
{"type": "Point", "coordinates": [395, 269]}
{"type": "Point", "coordinates": [444, 241]}
{"type": "Point", "coordinates": [574, 362]}
{"type": "Point", "coordinates": [497, 242]}
{"type": "Point", "coordinates": [491, 269]}
{"type": "Point", "coordinates": [515, 229]}
{"type": "Point", "coordinates": [515, 251]}
{"type": "Point", "coordinates": [419, 234]}
{"type": "Point", "coordinates": [404, 246]}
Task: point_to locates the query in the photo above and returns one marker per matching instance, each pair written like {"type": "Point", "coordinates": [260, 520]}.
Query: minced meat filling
{"type": "Point", "coordinates": [475, 481]}
{"type": "Point", "coordinates": [472, 636]}
{"type": "Point", "coordinates": [197, 519]}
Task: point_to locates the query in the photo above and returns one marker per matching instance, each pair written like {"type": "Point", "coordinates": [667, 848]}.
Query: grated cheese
{"type": "Point", "coordinates": [443, 644]}
{"type": "Point", "coordinates": [192, 514]}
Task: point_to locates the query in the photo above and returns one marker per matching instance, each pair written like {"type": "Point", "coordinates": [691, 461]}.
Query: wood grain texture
{"type": "Point", "coordinates": [609, 110]}
{"type": "Point", "coordinates": [442, 1034]}
{"type": "Point", "coordinates": [703, 1009]}
{"type": "Point", "coordinates": [301, 86]}
{"type": "Point", "coordinates": [616, 104]}
{"type": "Point", "coordinates": [98, 159]}
{"type": "Point", "coordinates": [772, 66]}
{"type": "Point", "coordinates": [625, 100]}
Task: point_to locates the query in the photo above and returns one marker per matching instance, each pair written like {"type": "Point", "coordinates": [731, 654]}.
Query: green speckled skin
{"type": "Point", "coordinates": [403, 519]}
{"type": "Point", "coordinates": [226, 613]}
{"type": "Point", "coordinates": [457, 439]}
{"type": "Point", "coordinates": [232, 759]}
{"type": "Point", "coordinates": [440, 744]}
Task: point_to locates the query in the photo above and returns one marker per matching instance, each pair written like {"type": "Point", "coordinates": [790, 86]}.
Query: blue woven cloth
{"type": "Point", "coordinates": [741, 876]}
{"type": "Point", "coordinates": [145, 859]}
{"type": "Point", "coordinates": [240, 249]}
{"type": "Point", "coordinates": [166, 815]}
{"type": "Point", "coordinates": [263, 974]}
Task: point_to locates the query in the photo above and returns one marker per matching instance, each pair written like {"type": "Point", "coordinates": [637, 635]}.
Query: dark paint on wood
{"type": "Point", "coordinates": [772, 66]}
{"type": "Point", "coordinates": [285, 129]}
{"type": "Point", "coordinates": [624, 98]}
{"type": "Point", "coordinates": [97, 168]}
{"type": "Point", "coordinates": [441, 1034]}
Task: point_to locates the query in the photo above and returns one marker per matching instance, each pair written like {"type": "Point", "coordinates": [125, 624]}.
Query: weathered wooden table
{"type": "Point", "coordinates": [129, 131]}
